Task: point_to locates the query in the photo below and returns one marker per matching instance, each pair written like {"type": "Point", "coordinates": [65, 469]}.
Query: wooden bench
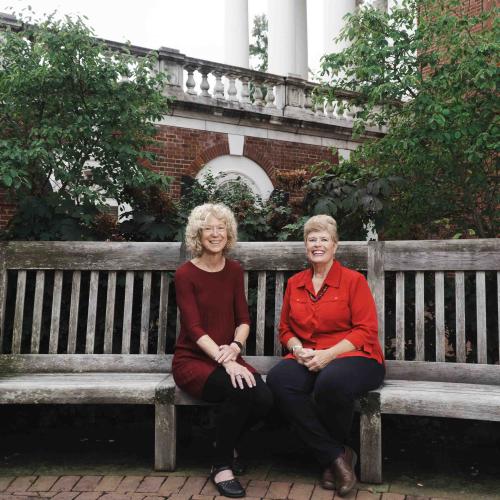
{"type": "Point", "coordinates": [95, 323]}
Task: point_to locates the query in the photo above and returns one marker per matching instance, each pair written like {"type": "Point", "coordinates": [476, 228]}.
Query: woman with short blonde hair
{"type": "Point", "coordinates": [215, 323]}
{"type": "Point", "coordinates": [329, 327]}
{"type": "Point", "coordinates": [322, 223]}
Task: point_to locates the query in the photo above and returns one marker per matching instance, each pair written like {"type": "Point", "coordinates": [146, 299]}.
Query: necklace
{"type": "Point", "coordinates": [320, 294]}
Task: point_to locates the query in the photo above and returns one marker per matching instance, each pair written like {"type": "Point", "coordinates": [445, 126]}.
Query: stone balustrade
{"type": "Point", "coordinates": [212, 83]}
{"type": "Point", "coordinates": [221, 86]}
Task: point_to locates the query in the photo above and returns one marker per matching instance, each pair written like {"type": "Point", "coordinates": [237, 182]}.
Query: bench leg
{"type": "Point", "coordinates": [371, 446]}
{"type": "Point", "coordinates": [165, 431]}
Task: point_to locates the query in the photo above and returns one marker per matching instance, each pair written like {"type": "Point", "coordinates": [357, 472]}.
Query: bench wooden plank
{"type": "Point", "coordinates": [17, 330]}
{"type": "Point", "coordinates": [127, 312]}
{"type": "Point", "coordinates": [37, 312]}
{"type": "Point", "coordinates": [73, 312]}
{"type": "Point", "coordinates": [110, 313]}
{"type": "Point", "coordinates": [261, 313]}
{"type": "Point", "coordinates": [439, 313]}
{"type": "Point", "coordinates": [482, 356]}
{"type": "Point", "coordinates": [278, 304]}
{"type": "Point", "coordinates": [400, 315]}
{"type": "Point", "coordinates": [419, 317]}
{"type": "Point", "coordinates": [56, 312]}
{"type": "Point", "coordinates": [78, 363]}
{"type": "Point", "coordinates": [460, 317]}
{"type": "Point", "coordinates": [92, 312]}
{"type": "Point", "coordinates": [162, 320]}
{"type": "Point", "coordinates": [440, 399]}
{"type": "Point", "coordinates": [376, 280]}
{"type": "Point", "coordinates": [146, 303]}
{"type": "Point", "coordinates": [82, 388]}
{"type": "Point", "coordinates": [469, 373]}
{"type": "Point", "coordinates": [442, 255]}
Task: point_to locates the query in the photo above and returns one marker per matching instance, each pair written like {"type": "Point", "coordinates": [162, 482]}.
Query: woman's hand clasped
{"type": "Point", "coordinates": [239, 375]}
{"type": "Point", "coordinates": [227, 353]}
{"type": "Point", "coordinates": [318, 360]}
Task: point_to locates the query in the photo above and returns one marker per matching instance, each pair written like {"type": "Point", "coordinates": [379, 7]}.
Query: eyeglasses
{"type": "Point", "coordinates": [214, 229]}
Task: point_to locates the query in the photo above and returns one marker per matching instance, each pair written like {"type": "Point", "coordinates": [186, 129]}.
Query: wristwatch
{"type": "Point", "coordinates": [296, 347]}
{"type": "Point", "coordinates": [238, 343]}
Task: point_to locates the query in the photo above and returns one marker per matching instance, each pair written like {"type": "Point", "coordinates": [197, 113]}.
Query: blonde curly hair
{"type": "Point", "coordinates": [198, 217]}
{"type": "Point", "coordinates": [321, 223]}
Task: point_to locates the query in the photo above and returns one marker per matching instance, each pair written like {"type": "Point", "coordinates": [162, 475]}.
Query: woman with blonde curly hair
{"type": "Point", "coordinates": [215, 322]}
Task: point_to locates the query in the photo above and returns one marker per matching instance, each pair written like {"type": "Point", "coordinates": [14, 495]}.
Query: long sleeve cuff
{"type": "Point", "coordinates": [358, 340]}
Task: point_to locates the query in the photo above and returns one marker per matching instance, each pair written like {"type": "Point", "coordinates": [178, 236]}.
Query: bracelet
{"type": "Point", "coordinates": [296, 347]}
{"type": "Point", "coordinates": [238, 343]}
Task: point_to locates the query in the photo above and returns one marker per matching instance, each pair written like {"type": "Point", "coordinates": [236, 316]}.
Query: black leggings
{"type": "Point", "coordinates": [320, 405]}
{"type": "Point", "coordinates": [238, 410]}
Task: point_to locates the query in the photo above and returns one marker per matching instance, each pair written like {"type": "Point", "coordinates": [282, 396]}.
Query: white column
{"type": "Point", "coordinates": [236, 38]}
{"type": "Point", "coordinates": [333, 12]}
{"type": "Point", "coordinates": [288, 37]}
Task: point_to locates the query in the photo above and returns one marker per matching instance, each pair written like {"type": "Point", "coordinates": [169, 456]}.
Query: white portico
{"type": "Point", "coordinates": [288, 35]}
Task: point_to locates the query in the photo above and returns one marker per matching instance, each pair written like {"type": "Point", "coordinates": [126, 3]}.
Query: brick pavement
{"type": "Point", "coordinates": [160, 487]}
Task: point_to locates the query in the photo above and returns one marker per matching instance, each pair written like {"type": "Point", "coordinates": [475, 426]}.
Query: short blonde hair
{"type": "Point", "coordinates": [198, 217]}
{"type": "Point", "coordinates": [321, 223]}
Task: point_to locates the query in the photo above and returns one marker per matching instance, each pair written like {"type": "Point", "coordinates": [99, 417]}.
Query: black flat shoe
{"type": "Point", "coordinates": [231, 488]}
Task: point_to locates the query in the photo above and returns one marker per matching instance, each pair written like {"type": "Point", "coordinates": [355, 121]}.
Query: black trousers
{"type": "Point", "coordinates": [239, 409]}
{"type": "Point", "coordinates": [320, 405]}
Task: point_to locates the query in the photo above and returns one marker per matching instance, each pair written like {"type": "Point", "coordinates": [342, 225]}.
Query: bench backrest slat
{"type": "Point", "coordinates": [261, 313]}
{"type": "Point", "coordinates": [56, 312]}
{"type": "Point", "coordinates": [419, 317]}
{"type": "Point", "coordinates": [460, 316]}
{"type": "Point", "coordinates": [127, 312]}
{"type": "Point", "coordinates": [37, 312]}
{"type": "Point", "coordinates": [19, 312]}
{"type": "Point", "coordinates": [400, 315]}
{"type": "Point", "coordinates": [376, 280]}
{"type": "Point", "coordinates": [481, 316]}
{"type": "Point", "coordinates": [110, 313]}
{"type": "Point", "coordinates": [278, 303]}
{"type": "Point", "coordinates": [145, 312]}
{"type": "Point", "coordinates": [498, 312]}
{"type": "Point", "coordinates": [3, 296]}
{"type": "Point", "coordinates": [92, 312]}
{"type": "Point", "coordinates": [162, 319]}
{"type": "Point", "coordinates": [440, 318]}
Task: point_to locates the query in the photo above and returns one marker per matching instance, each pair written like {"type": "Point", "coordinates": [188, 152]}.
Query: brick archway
{"type": "Point", "coordinates": [205, 156]}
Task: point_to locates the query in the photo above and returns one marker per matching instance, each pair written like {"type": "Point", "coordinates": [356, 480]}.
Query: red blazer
{"type": "Point", "coordinates": [346, 311]}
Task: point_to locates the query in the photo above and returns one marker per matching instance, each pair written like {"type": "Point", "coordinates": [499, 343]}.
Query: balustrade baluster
{"type": "Point", "coordinates": [257, 94]}
{"type": "Point", "coordinates": [270, 97]}
{"type": "Point", "coordinates": [204, 85]}
{"type": "Point", "coordinates": [232, 90]}
{"type": "Point", "coordinates": [219, 86]}
{"type": "Point", "coordinates": [190, 83]}
{"type": "Point", "coordinates": [245, 93]}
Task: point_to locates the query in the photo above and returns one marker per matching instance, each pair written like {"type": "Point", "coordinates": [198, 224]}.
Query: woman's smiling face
{"type": "Point", "coordinates": [320, 247]}
{"type": "Point", "coordinates": [213, 235]}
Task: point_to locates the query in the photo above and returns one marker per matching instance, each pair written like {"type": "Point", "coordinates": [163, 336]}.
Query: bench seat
{"type": "Point", "coordinates": [440, 399]}
{"type": "Point", "coordinates": [82, 388]}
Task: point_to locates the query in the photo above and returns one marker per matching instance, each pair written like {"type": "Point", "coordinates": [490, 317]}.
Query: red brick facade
{"type": "Point", "coordinates": [6, 209]}
{"type": "Point", "coordinates": [185, 151]}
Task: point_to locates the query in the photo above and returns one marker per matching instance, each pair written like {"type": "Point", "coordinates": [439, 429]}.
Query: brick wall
{"type": "Point", "coordinates": [185, 151]}
{"type": "Point", "coordinates": [6, 210]}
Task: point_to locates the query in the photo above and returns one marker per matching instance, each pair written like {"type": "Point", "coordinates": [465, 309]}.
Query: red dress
{"type": "Point", "coordinates": [345, 311]}
{"type": "Point", "coordinates": [211, 304]}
